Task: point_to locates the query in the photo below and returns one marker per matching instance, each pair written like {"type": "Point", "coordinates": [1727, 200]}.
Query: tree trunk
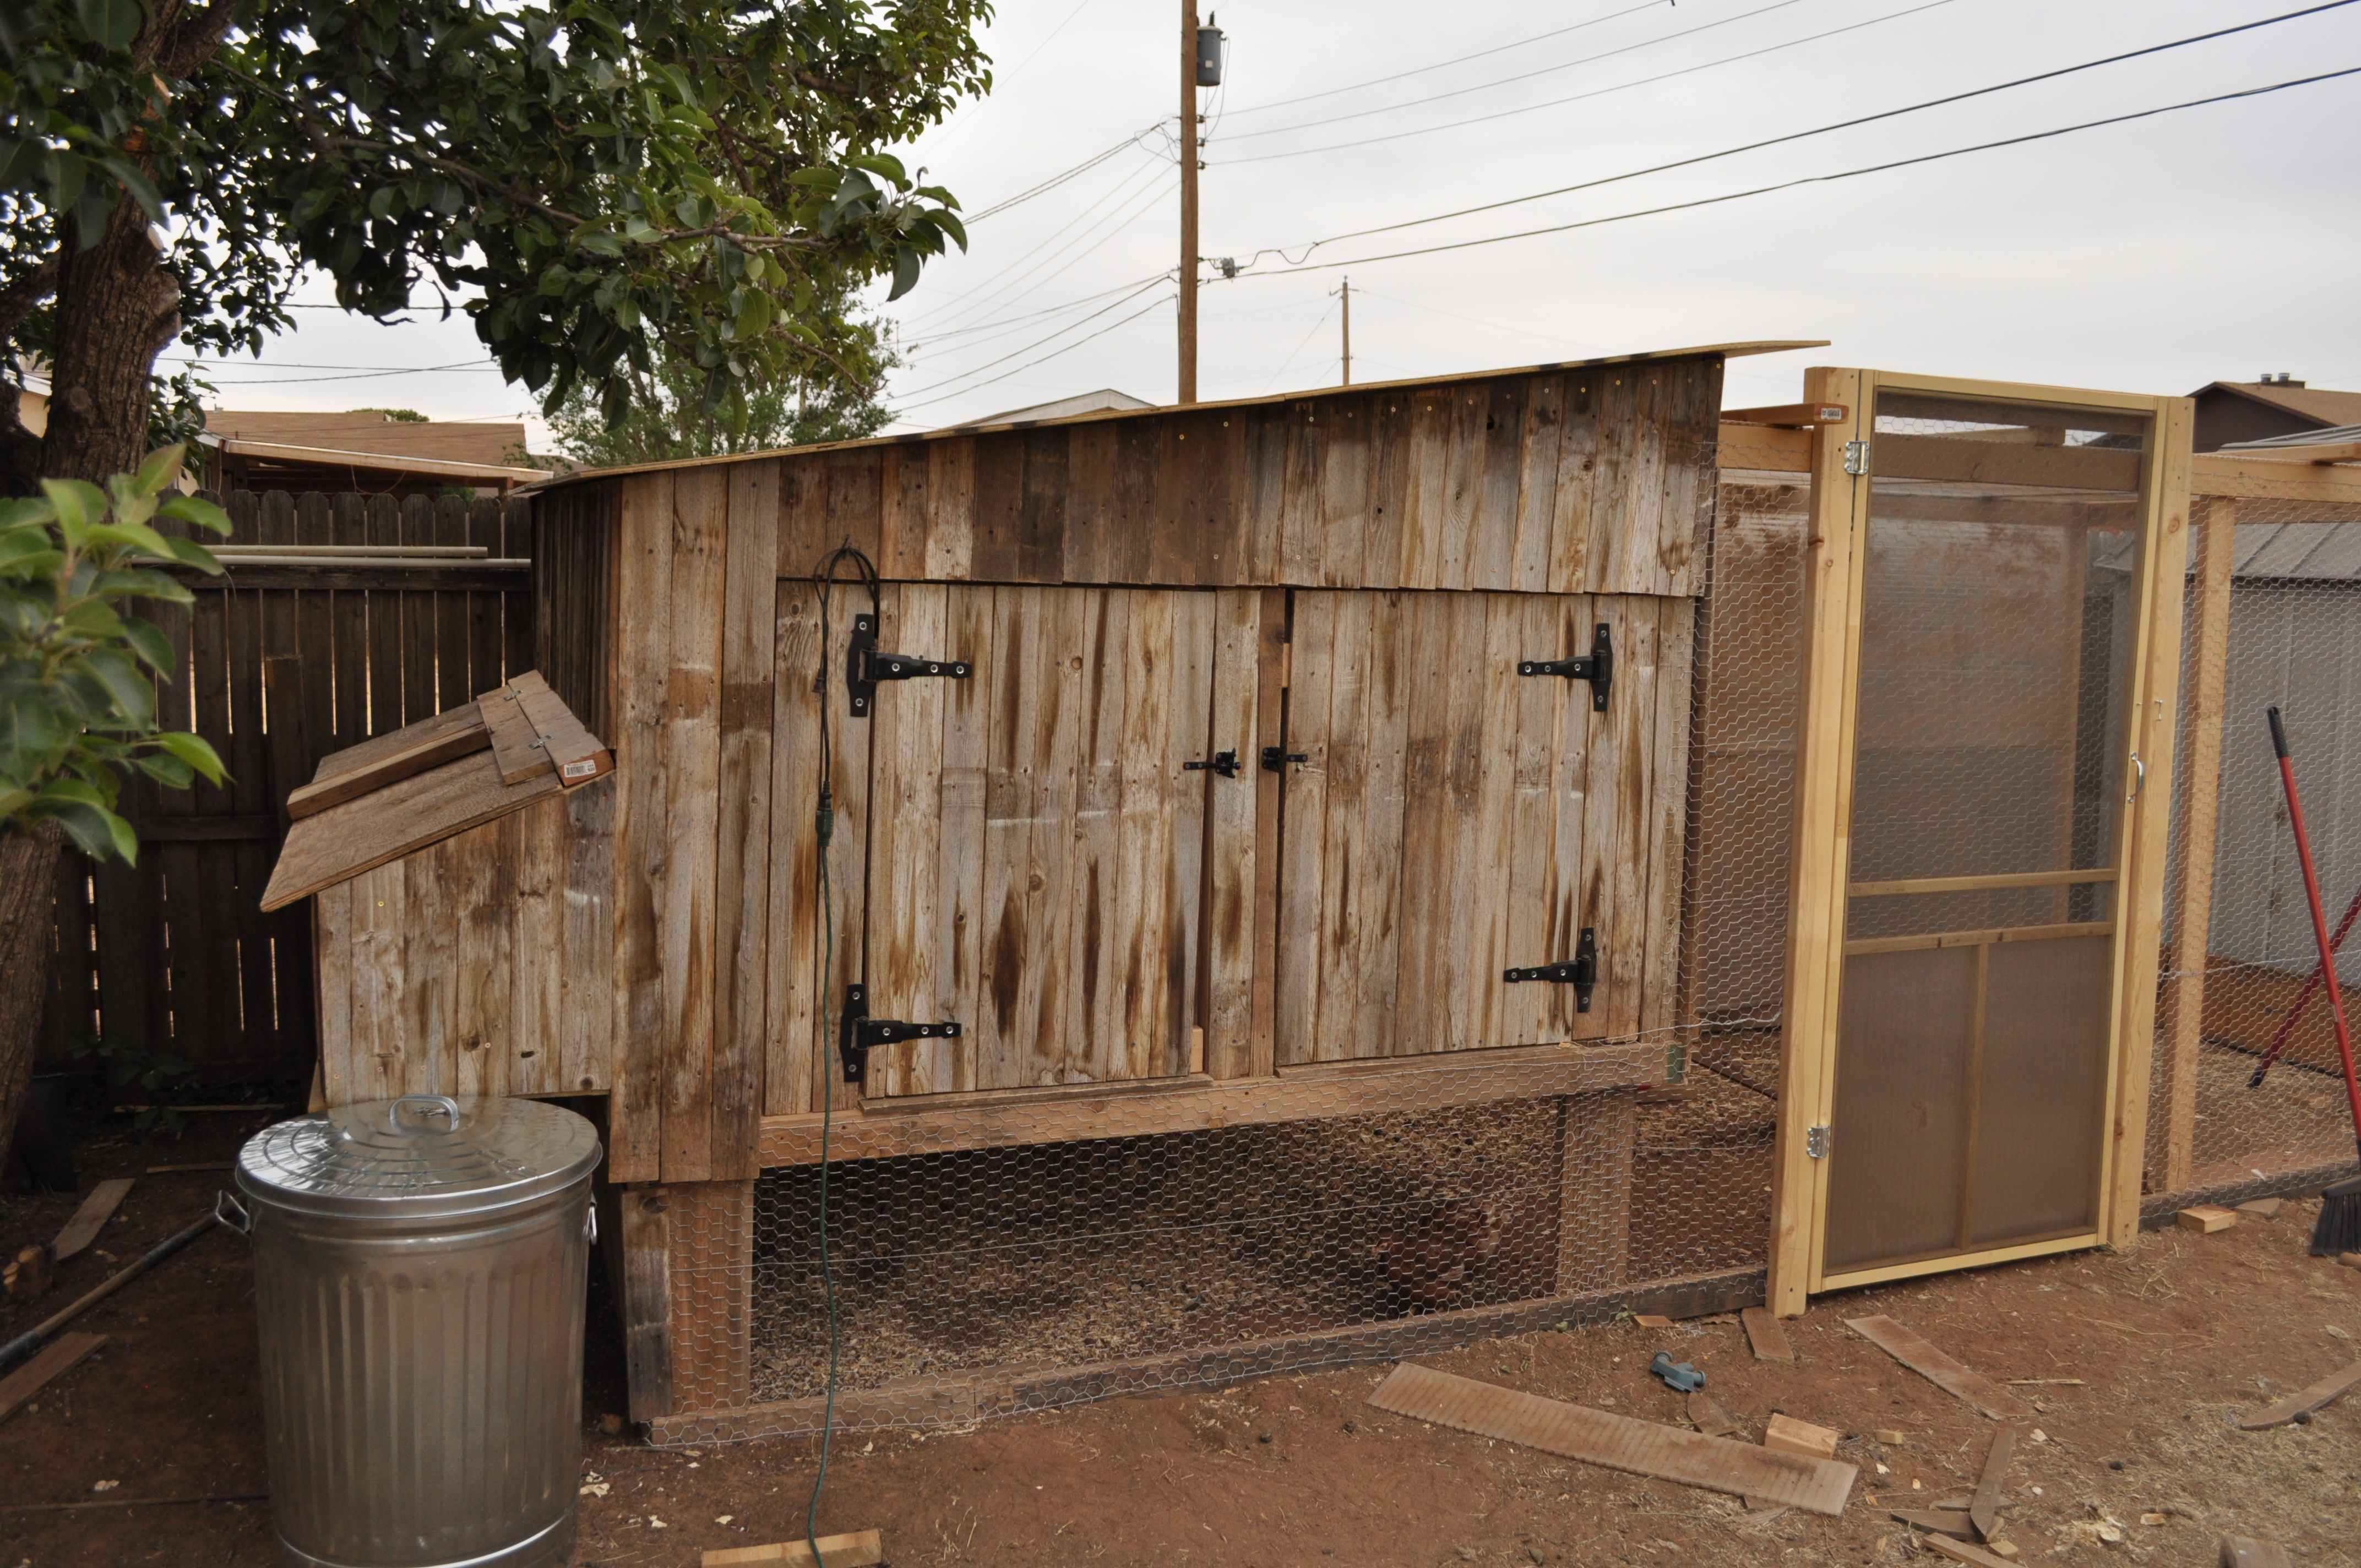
{"type": "Point", "coordinates": [28, 883]}
{"type": "Point", "coordinates": [116, 308]}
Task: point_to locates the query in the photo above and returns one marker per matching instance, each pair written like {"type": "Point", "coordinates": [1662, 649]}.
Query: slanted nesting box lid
{"type": "Point", "coordinates": [402, 791]}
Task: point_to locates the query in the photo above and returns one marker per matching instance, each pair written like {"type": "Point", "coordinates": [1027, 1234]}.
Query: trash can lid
{"type": "Point", "coordinates": [423, 1155]}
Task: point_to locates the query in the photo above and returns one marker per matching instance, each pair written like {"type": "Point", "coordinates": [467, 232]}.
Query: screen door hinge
{"type": "Point", "coordinates": [856, 1031]}
{"type": "Point", "coordinates": [1582, 973]}
{"type": "Point", "coordinates": [1597, 667]}
{"type": "Point", "coordinates": [1816, 1142]}
{"type": "Point", "coordinates": [1856, 458]}
{"type": "Point", "coordinates": [864, 667]}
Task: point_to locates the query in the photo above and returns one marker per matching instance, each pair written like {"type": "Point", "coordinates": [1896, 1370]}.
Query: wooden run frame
{"type": "Point", "coordinates": [1836, 557]}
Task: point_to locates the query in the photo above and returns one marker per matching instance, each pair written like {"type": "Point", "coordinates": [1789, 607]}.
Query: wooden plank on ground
{"type": "Point", "coordinates": [1960, 1551]}
{"type": "Point", "coordinates": [2245, 1551]}
{"type": "Point", "coordinates": [63, 1355]}
{"type": "Point", "coordinates": [1939, 1369]}
{"type": "Point", "coordinates": [861, 1549]}
{"type": "Point", "coordinates": [1616, 1442]}
{"type": "Point", "coordinates": [383, 760]}
{"type": "Point", "coordinates": [1764, 1332]}
{"type": "Point", "coordinates": [1985, 1510]}
{"type": "Point", "coordinates": [1955, 1526]}
{"type": "Point", "coordinates": [95, 1210]}
{"type": "Point", "coordinates": [2328, 1388]}
{"type": "Point", "coordinates": [362, 834]}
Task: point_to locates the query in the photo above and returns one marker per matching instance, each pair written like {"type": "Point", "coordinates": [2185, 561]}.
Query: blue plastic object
{"type": "Point", "coordinates": [1678, 1376]}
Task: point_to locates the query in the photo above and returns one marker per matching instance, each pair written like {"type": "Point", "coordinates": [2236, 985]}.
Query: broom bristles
{"type": "Point", "coordinates": [2339, 1228]}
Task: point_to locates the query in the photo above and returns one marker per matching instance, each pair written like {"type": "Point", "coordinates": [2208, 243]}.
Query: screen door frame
{"type": "Point", "coordinates": [1836, 558]}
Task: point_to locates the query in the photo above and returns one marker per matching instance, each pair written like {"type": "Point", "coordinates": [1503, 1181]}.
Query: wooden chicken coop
{"type": "Point", "coordinates": [1226, 773]}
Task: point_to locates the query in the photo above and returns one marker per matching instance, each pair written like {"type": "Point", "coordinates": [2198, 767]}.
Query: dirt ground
{"type": "Point", "coordinates": [2170, 1341]}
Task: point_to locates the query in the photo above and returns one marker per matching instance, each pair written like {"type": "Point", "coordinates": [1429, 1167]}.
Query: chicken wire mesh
{"type": "Point", "coordinates": [1414, 1212]}
{"type": "Point", "coordinates": [2238, 986]}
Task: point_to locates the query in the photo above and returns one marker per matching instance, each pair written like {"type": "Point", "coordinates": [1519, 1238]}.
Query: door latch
{"type": "Point", "coordinates": [864, 667]}
{"type": "Point", "coordinates": [1275, 761]}
{"type": "Point", "coordinates": [1224, 764]}
{"type": "Point", "coordinates": [1816, 1142]}
{"type": "Point", "coordinates": [856, 1031]}
{"type": "Point", "coordinates": [1582, 973]}
{"type": "Point", "coordinates": [1597, 667]}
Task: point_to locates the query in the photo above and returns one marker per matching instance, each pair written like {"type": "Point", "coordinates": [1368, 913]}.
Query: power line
{"type": "Point", "coordinates": [1583, 97]}
{"type": "Point", "coordinates": [962, 375]}
{"type": "Point", "coordinates": [928, 337]}
{"type": "Point", "coordinates": [1155, 196]}
{"type": "Point", "coordinates": [1838, 126]}
{"type": "Point", "coordinates": [982, 298]}
{"type": "Point", "coordinates": [1462, 59]}
{"type": "Point", "coordinates": [1057, 179]}
{"type": "Point", "coordinates": [1814, 178]}
{"type": "Point", "coordinates": [1020, 370]}
{"type": "Point", "coordinates": [1521, 76]}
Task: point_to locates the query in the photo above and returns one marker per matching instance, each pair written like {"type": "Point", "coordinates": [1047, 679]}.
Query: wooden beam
{"type": "Point", "coordinates": [1789, 416]}
{"type": "Point", "coordinates": [936, 1124]}
{"type": "Point", "coordinates": [2197, 784]}
{"type": "Point", "coordinates": [1997, 463]}
{"type": "Point", "coordinates": [1980, 939]}
{"type": "Point", "coordinates": [361, 835]}
{"type": "Point", "coordinates": [1975, 883]}
{"type": "Point", "coordinates": [2323, 453]}
{"type": "Point", "coordinates": [2241, 478]}
{"type": "Point", "coordinates": [1761, 447]}
{"type": "Point", "coordinates": [383, 760]}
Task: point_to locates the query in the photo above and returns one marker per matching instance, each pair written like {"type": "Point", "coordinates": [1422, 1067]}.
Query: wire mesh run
{"type": "Point", "coordinates": [2247, 1096]}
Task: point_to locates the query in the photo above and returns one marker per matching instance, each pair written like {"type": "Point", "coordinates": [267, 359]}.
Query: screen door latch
{"type": "Point", "coordinates": [1597, 667]}
{"type": "Point", "coordinates": [856, 1031]}
{"type": "Point", "coordinates": [864, 667]}
{"type": "Point", "coordinates": [1582, 973]}
{"type": "Point", "coordinates": [1816, 1142]}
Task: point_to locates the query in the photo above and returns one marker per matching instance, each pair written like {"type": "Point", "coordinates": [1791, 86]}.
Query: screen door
{"type": "Point", "coordinates": [1991, 781]}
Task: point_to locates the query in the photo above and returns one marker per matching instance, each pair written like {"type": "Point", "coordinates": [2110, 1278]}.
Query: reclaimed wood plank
{"type": "Point", "coordinates": [1093, 503]}
{"type": "Point", "coordinates": [353, 838]}
{"type": "Point", "coordinates": [950, 508]}
{"type": "Point", "coordinates": [1451, 653]}
{"type": "Point", "coordinates": [1303, 528]}
{"type": "Point", "coordinates": [742, 823]}
{"type": "Point", "coordinates": [532, 940]}
{"type": "Point", "coordinates": [1177, 885]}
{"type": "Point", "coordinates": [1396, 667]}
{"type": "Point", "coordinates": [999, 512]}
{"type": "Point", "coordinates": [89, 1217]}
{"type": "Point", "coordinates": [429, 1007]}
{"type": "Point", "coordinates": [1486, 761]}
{"type": "Point", "coordinates": [586, 1021]}
{"type": "Point", "coordinates": [57, 1358]}
{"type": "Point", "coordinates": [642, 608]}
{"type": "Point", "coordinates": [413, 750]}
{"type": "Point", "coordinates": [1097, 1046]}
{"type": "Point", "coordinates": [905, 853]}
{"type": "Point", "coordinates": [685, 847]}
{"type": "Point", "coordinates": [1427, 487]}
{"type": "Point", "coordinates": [489, 892]}
{"type": "Point", "coordinates": [516, 745]}
{"type": "Point", "coordinates": [1536, 504]}
{"type": "Point", "coordinates": [1578, 483]}
{"type": "Point", "coordinates": [1348, 472]}
{"type": "Point", "coordinates": [1302, 938]}
{"type": "Point", "coordinates": [1939, 1369]}
{"type": "Point", "coordinates": [1667, 806]}
{"type": "Point", "coordinates": [1390, 422]}
{"type": "Point", "coordinates": [331, 941]}
{"type": "Point", "coordinates": [1533, 897]}
{"type": "Point", "coordinates": [1231, 827]}
{"type": "Point", "coordinates": [1690, 489]}
{"type": "Point", "coordinates": [1040, 542]}
{"type": "Point", "coordinates": [1498, 478]}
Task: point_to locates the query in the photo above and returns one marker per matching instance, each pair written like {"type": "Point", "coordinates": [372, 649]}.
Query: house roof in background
{"type": "Point", "coordinates": [487, 442]}
{"type": "Point", "coordinates": [276, 455]}
{"type": "Point", "coordinates": [2305, 403]}
{"type": "Point", "coordinates": [1079, 403]}
{"type": "Point", "coordinates": [2327, 436]}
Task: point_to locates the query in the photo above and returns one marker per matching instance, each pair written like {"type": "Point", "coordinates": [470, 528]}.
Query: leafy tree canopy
{"type": "Point", "coordinates": [614, 183]}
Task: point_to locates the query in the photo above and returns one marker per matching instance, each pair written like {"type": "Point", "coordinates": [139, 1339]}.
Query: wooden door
{"type": "Point", "coordinates": [1037, 848]}
{"type": "Point", "coordinates": [1451, 820]}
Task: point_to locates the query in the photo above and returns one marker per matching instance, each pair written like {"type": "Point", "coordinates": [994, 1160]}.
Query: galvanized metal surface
{"type": "Point", "coordinates": [419, 1275]}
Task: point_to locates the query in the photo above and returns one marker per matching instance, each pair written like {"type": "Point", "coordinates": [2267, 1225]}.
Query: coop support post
{"type": "Point", "coordinates": [2163, 557]}
{"type": "Point", "coordinates": [687, 1254]}
{"type": "Point", "coordinates": [1595, 1134]}
{"type": "Point", "coordinates": [1816, 884]}
{"type": "Point", "coordinates": [2197, 784]}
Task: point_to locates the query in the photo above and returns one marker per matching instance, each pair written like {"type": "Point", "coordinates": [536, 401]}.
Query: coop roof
{"type": "Point", "coordinates": [399, 792]}
{"type": "Point", "coordinates": [1012, 421]}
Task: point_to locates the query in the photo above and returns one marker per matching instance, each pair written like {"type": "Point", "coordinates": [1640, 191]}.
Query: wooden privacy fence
{"type": "Point", "coordinates": [280, 661]}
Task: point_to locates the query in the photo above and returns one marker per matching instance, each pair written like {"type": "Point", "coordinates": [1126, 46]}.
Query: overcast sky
{"type": "Point", "coordinates": [2212, 243]}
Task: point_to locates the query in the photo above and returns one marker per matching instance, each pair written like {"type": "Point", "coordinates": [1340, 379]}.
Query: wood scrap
{"type": "Point", "coordinates": [131, 1502]}
{"type": "Point", "coordinates": [1764, 1334]}
{"type": "Point", "coordinates": [2207, 1218]}
{"type": "Point", "coordinates": [387, 758]}
{"type": "Point", "coordinates": [1616, 1442]}
{"type": "Point", "coordinates": [2326, 1391]}
{"type": "Point", "coordinates": [516, 745]}
{"type": "Point", "coordinates": [1706, 1415]}
{"type": "Point", "coordinates": [2245, 1551]}
{"type": "Point", "coordinates": [2262, 1208]}
{"type": "Point", "coordinates": [69, 1352]}
{"type": "Point", "coordinates": [201, 1165]}
{"type": "Point", "coordinates": [1651, 1321]}
{"type": "Point", "coordinates": [28, 1276]}
{"type": "Point", "coordinates": [1985, 1509]}
{"type": "Point", "coordinates": [576, 752]}
{"type": "Point", "coordinates": [95, 1210]}
{"type": "Point", "coordinates": [1954, 1525]}
{"type": "Point", "coordinates": [861, 1548]}
{"type": "Point", "coordinates": [24, 1343]}
{"type": "Point", "coordinates": [1789, 1435]}
{"type": "Point", "coordinates": [1963, 1552]}
{"type": "Point", "coordinates": [1940, 1369]}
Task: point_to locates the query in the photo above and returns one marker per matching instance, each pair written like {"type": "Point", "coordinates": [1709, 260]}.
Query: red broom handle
{"type": "Point", "coordinates": [2318, 922]}
{"type": "Point", "coordinates": [2304, 997]}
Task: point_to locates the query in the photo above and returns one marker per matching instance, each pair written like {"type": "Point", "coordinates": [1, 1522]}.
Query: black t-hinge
{"type": "Point", "coordinates": [856, 1031]}
{"type": "Point", "coordinates": [1597, 668]}
{"type": "Point", "coordinates": [1582, 973]}
{"type": "Point", "coordinates": [864, 667]}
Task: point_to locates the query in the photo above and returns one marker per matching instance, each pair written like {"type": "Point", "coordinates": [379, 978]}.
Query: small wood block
{"type": "Point", "coordinates": [2207, 1218]}
{"type": "Point", "coordinates": [1961, 1552]}
{"type": "Point", "coordinates": [1890, 1437]}
{"type": "Point", "coordinates": [1706, 1415]}
{"type": "Point", "coordinates": [516, 744]}
{"type": "Point", "coordinates": [1940, 1369]}
{"type": "Point", "coordinates": [1616, 1442]}
{"type": "Point", "coordinates": [2262, 1208]}
{"type": "Point", "coordinates": [1764, 1332]}
{"type": "Point", "coordinates": [1954, 1525]}
{"type": "Point", "coordinates": [2245, 1551]}
{"type": "Point", "coordinates": [2004, 1549]}
{"type": "Point", "coordinates": [1985, 1509]}
{"type": "Point", "coordinates": [28, 1274]}
{"type": "Point", "coordinates": [64, 1353]}
{"type": "Point", "coordinates": [2320, 1393]}
{"type": "Point", "coordinates": [1789, 1435]}
{"type": "Point", "coordinates": [2349, 1260]}
{"type": "Point", "coordinates": [861, 1549]}
{"type": "Point", "coordinates": [95, 1210]}
{"type": "Point", "coordinates": [1651, 1321]}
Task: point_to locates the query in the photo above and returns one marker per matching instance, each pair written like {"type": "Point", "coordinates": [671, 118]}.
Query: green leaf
{"type": "Point", "coordinates": [155, 650]}
{"type": "Point", "coordinates": [194, 509]}
{"type": "Point", "coordinates": [168, 771]}
{"type": "Point", "coordinates": [132, 696]}
{"type": "Point", "coordinates": [905, 272]}
{"type": "Point", "coordinates": [75, 504]}
{"type": "Point", "coordinates": [159, 470]}
{"type": "Point", "coordinates": [110, 24]}
{"type": "Point", "coordinates": [196, 750]}
{"type": "Point", "coordinates": [189, 553]}
{"type": "Point", "coordinates": [99, 832]}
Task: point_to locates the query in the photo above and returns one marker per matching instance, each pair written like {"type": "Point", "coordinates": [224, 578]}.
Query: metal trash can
{"type": "Point", "coordinates": [419, 1269]}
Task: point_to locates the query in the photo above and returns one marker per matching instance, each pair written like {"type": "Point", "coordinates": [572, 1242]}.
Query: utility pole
{"type": "Point", "coordinates": [1348, 292]}
{"type": "Point", "coordinates": [1187, 201]}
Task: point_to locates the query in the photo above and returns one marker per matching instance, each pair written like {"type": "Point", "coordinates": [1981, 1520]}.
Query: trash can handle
{"type": "Point", "coordinates": [442, 1103]}
{"type": "Point", "coordinates": [243, 1224]}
